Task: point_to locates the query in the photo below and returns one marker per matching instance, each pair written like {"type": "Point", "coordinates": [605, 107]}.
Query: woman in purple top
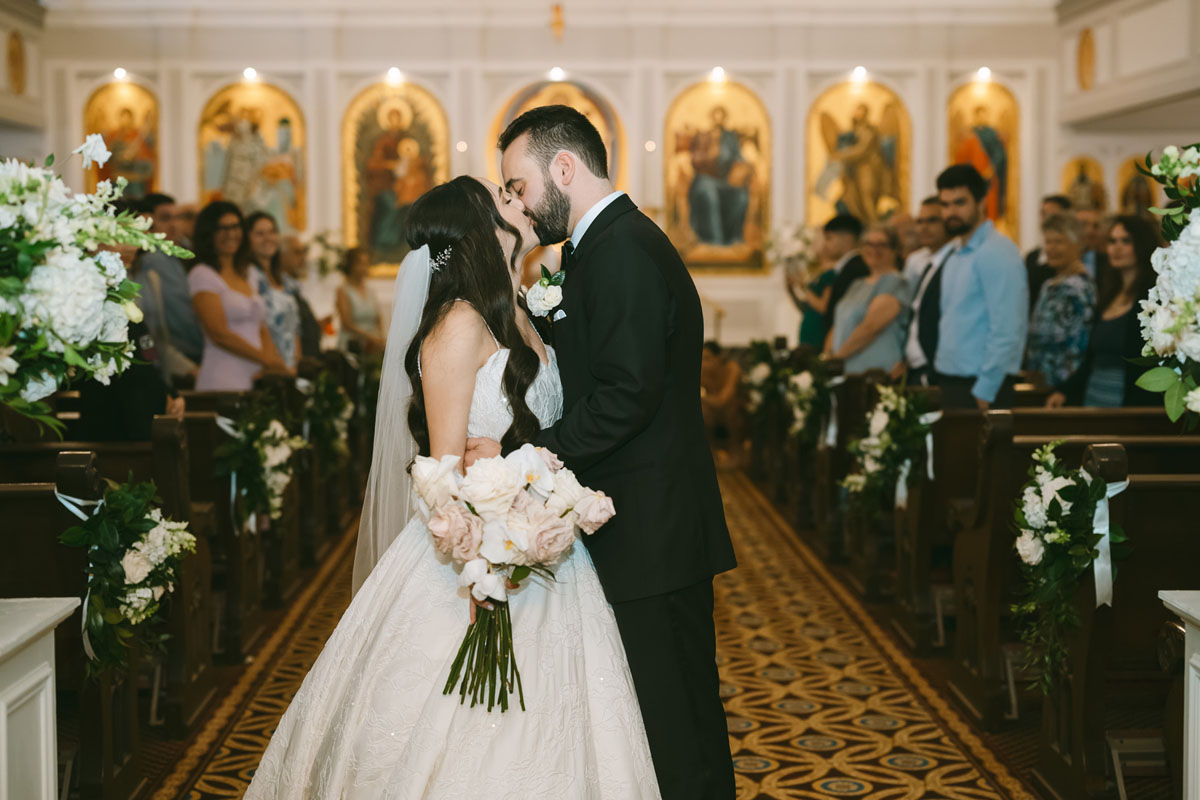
{"type": "Point", "coordinates": [237, 345]}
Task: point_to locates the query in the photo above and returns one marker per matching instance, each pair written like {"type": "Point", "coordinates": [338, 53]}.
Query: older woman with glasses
{"type": "Point", "coordinates": [237, 344]}
{"type": "Point", "coordinates": [869, 321]}
{"type": "Point", "coordinates": [1062, 316]}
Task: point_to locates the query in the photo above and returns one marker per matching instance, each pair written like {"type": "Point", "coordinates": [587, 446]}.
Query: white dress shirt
{"type": "Point", "coordinates": [587, 219]}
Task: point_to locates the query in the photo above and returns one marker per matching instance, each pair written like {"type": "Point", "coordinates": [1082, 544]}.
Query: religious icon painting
{"type": "Point", "coordinates": [984, 119]}
{"type": "Point", "coordinates": [1137, 194]}
{"type": "Point", "coordinates": [252, 139]}
{"type": "Point", "coordinates": [717, 156]}
{"type": "Point", "coordinates": [1083, 182]}
{"type": "Point", "coordinates": [395, 147]}
{"type": "Point", "coordinates": [126, 115]}
{"type": "Point", "coordinates": [859, 151]}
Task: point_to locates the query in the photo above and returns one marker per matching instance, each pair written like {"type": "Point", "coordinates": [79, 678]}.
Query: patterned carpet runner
{"type": "Point", "coordinates": [821, 703]}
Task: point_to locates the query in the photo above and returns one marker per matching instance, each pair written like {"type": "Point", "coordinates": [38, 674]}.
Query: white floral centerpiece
{"type": "Point", "coordinates": [1057, 541]}
{"type": "Point", "coordinates": [134, 554]}
{"type": "Point", "coordinates": [507, 518]}
{"type": "Point", "coordinates": [1170, 316]}
{"type": "Point", "coordinates": [65, 306]}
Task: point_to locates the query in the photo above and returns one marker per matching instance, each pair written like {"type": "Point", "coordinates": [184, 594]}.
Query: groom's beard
{"type": "Point", "coordinates": [550, 216]}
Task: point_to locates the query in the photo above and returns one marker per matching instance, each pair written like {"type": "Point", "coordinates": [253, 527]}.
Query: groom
{"type": "Point", "coordinates": [629, 333]}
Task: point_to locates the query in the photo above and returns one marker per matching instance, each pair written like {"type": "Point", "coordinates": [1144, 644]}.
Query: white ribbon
{"type": "Point", "coordinates": [902, 484]}
{"type": "Point", "coordinates": [829, 438]}
{"type": "Point", "coordinates": [1102, 524]}
{"type": "Point", "coordinates": [230, 427]}
{"type": "Point", "coordinates": [906, 467]}
{"type": "Point", "coordinates": [76, 505]}
{"type": "Point", "coordinates": [304, 386]}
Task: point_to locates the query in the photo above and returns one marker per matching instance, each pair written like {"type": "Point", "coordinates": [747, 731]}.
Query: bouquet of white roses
{"type": "Point", "coordinates": [65, 306]}
{"type": "Point", "coordinates": [134, 554]}
{"type": "Point", "coordinates": [795, 248]}
{"type": "Point", "coordinates": [1057, 542]}
{"type": "Point", "coordinates": [1170, 316]}
{"type": "Point", "coordinates": [508, 518]}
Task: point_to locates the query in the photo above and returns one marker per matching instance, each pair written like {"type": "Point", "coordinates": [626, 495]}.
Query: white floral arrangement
{"type": "Point", "coordinates": [134, 554]}
{"type": "Point", "coordinates": [546, 294]}
{"type": "Point", "coordinates": [507, 518]}
{"type": "Point", "coordinates": [277, 447]}
{"type": "Point", "coordinates": [1170, 316]}
{"type": "Point", "coordinates": [795, 248]}
{"type": "Point", "coordinates": [807, 394]}
{"type": "Point", "coordinates": [897, 428]}
{"type": "Point", "coordinates": [328, 252]}
{"type": "Point", "coordinates": [65, 306]}
{"type": "Point", "coordinates": [258, 457]}
{"type": "Point", "coordinates": [1057, 541]}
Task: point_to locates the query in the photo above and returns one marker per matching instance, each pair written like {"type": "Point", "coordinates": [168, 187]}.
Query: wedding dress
{"type": "Point", "coordinates": [370, 720]}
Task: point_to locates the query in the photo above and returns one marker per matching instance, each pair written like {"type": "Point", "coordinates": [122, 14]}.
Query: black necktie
{"type": "Point", "coordinates": [568, 255]}
{"type": "Point", "coordinates": [929, 314]}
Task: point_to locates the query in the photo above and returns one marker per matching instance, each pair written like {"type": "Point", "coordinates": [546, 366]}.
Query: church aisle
{"type": "Point", "coordinates": [821, 703]}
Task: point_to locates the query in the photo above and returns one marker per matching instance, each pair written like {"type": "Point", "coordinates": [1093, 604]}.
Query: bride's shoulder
{"type": "Point", "coordinates": [460, 333]}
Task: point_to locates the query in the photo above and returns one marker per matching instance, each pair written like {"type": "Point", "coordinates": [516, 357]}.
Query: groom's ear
{"type": "Point", "coordinates": [564, 165]}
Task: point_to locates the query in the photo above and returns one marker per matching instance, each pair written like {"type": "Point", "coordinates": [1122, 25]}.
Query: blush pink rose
{"type": "Point", "coordinates": [456, 532]}
{"type": "Point", "coordinates": [594, 510]}
{"type": "Point", "coordinates": [552, 462]}
{"type": "Point", "coordinates": [551, 537]}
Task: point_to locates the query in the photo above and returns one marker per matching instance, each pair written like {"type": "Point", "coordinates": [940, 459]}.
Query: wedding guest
{"type": "Point", "coordinates": [178, 316]}
{"type": "Point", "coordinates": [356, 308]}
{"type": "Point", "coordinates": [237, 344]}
{"type": "Point", "coordinates": [1062, 315]}
{"type": "Point", "coordinates": [1095, 261]}
{"type": "Point", "coordinates": [840, 243]}
{"type": "Point", "coordinates": [720, 399]}
{"type": "Point", "coordinates": [920, 347]}
{"type": "Point", "coordinates": [185, 224]}
{"type": "Point", "coordinates": [812, 300]}
{"type": "Point", "coordinates": [266, 273]}
{"type": "Point", "coordinates": [984, 303]}
{"type": "Point", "coordinates": [870, 321]}
{"type": "Point", "coordinates": [931, 237]}
{"type": "Point", "coordinates": [293, 258]}
{"type": "Point", "coordinates": [1105, 377]}
{"type": "Point", "coordinates": [1036, 270]}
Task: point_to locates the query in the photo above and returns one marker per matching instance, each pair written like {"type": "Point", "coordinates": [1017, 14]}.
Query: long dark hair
{"type": "Point", "coordinates": [274, 268]}
{"type": "Point", "coordinates": [462, 216]}
{"type": "Point", "coordinates": [1146, 239]}
{"type": "Point", "coordinates": [204, 237]}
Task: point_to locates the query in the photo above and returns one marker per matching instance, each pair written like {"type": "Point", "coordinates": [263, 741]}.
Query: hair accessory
{"type": "Point", "coordinates": [442, 259]}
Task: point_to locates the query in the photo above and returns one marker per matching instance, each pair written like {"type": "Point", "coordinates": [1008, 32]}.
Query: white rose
{"type": "Point", "coordinates": [436, 481]}
{"type": "Point", "coordinates": [1030, 548]}
{"type": "Point", "coordinates": [879, 422]}
{"type": "Point", "coordinates": [137, 567]}
{"type": "Point", "coordinates": [756, 398]}
{"type": "Point", "coordinates": [553, 296]}
{"type": "Point", "coordinates": [506, 541]}
{"type": "Point", "coordinates": [1033, 509]}
{"type": "Point", "coordinates": [530, 464]}
{"type": "Point", "coordinates": [1170, 152]}
{"type": "Point", "coordinates": [8, 364]}
{"type": "Point", "coordinates": [1189, 344]}
{"type": "Point", "coordinates": [759, 373]}
{"type": "Point", "coordinates": [36, 388]}
{"type": "Point", "coordinates": [490, 486]}
{"type": "Point", "coordinates": [1193, 401]}
{"type": "Point", "coordinates": [803, 381]}
{"type": "Point", "coordinates": [535, 300]}
{"type": "Point", "coordinates": [1050, 492]}
{"type": "Point", "coordinates": [93, 149]}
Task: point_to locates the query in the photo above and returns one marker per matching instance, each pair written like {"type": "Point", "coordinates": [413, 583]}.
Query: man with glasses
{"type": "Point", "coordinates": [922, 271]}
{"type": "Point", "coordinates": [170, 281]}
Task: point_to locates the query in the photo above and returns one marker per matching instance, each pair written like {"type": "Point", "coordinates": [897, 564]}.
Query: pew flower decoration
{"type": "Point", "coordinates": [134, 555]}
{"type": "Point", "coordinates": [506, 519]}
{"type": "Point", "coordinates": [259, 459]}
{"type": "Point", "coordinates": [1170, 316]}
{"type": "Point", "coordinates": [1056, 542]}
{"type": "Point", "coordinates": [328, 413]}
{"type": "Point", "coordinates": [807, 393]}
{"type": "Point", "coordinates": [765, 381]}
{"type": "Point", "coordinates": [65, 304]}
{"type": "Point", "coordinates": [897, 431]}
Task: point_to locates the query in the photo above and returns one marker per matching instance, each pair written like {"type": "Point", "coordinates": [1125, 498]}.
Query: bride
{"type": "Point", "coordinates": [370, 720]}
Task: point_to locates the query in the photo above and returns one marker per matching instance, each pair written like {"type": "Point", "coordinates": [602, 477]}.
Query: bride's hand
{"type": "Point", "coordinates": [480, 448]}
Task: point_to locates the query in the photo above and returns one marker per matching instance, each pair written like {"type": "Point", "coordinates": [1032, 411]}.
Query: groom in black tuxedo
{"type": "Point", "coordinates": [629, 333]}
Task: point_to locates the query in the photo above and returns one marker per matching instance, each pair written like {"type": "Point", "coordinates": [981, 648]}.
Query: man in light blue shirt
{"type": "Point", "coordinates": [985, 300]}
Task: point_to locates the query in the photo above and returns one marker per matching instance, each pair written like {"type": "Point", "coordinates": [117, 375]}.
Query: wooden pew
{"type": "Point", "coordinates": [37, 565]}
{"type": "Point", "coordinates": [237, 573]}
{"type": "Point", "coordinates": [854, 398]}
{"type": "Point", "coordinates": [1114, 656]}
{"type": "Point", "coordinates": [351, 482]}
{"type": "Point", "coordinates": [311, 477]}
{"type": "Point", "coordinates": [798, 463]}
{"type": "Point", "coordinates": [985, 566]}
{"type": "Point", "coordinates": [187, 672]}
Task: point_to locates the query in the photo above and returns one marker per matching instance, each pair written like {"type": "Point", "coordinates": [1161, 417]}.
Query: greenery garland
{"type": "Point", "coordinates": [134, 553]}
{"type": "Point", "coordinates": [1056, 541]}
{"type": "Point", "coordinates": [328, 413]}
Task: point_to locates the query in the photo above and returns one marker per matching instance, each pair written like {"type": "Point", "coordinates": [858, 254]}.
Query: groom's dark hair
{"type": "Point", "coordinates": [555, 128]}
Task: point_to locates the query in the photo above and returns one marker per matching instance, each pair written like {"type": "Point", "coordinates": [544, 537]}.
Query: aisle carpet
{"type": "Point", "coordinates": [820, 702]}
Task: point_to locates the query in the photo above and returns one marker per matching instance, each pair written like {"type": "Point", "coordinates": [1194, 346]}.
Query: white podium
{"type": "Point", "coordinates": [1187, 606]}
{"type": "Point", "coordinates": [28, 731]}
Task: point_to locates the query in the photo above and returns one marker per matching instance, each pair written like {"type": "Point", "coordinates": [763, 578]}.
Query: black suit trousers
{"type": "Point", "coordinates": [671, 645]}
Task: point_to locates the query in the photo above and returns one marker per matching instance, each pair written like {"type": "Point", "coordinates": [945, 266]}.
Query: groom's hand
{"type": "Point", "coordinates": [480, 448]}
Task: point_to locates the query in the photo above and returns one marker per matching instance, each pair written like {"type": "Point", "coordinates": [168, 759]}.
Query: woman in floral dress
{"type": "Point", "coordinates": [1062, 316]}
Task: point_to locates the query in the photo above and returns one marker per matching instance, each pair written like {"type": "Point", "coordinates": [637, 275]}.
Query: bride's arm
{"type": "Point", "coordinates": [452, 353]}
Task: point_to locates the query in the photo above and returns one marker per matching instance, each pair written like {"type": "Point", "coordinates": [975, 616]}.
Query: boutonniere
{"type": "Point", "coordinates": [545, 295]}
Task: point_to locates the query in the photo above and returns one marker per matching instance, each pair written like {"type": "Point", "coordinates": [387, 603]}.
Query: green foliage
{"type": "Point", "coordinates": [328, 413]}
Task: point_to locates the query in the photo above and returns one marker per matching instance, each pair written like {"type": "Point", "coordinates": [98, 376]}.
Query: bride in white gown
{"type": "Point", "coordinates": [371, 719]}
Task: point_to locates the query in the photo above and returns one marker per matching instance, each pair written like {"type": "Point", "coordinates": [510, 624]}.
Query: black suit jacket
{"type": "Point", "coordinates": [629, 353]}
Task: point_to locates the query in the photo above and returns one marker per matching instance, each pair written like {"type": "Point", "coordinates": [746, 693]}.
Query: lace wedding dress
{"type": "Point", "coordinates": [370, 720]}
